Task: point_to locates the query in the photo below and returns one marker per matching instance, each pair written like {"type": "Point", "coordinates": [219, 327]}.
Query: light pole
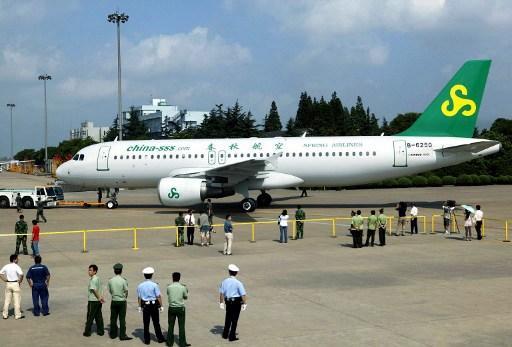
{"type": "Point", "coordinates": [11, 106]}
{"type": "Point", "coordinates": [45, 78]}
{"type": "Point", "coordinates": [118, 18]}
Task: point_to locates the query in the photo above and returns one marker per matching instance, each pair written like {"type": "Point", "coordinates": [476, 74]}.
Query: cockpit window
{"type": "Point", "coordinates": [75, 157]}
{"type": "Point", "coordinates": [81, 157]}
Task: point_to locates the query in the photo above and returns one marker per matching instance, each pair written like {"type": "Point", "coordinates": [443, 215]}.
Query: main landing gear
{"type": "Point", "coordinates": [249, 204]}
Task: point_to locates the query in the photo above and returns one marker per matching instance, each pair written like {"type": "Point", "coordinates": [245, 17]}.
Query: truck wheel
{"type": "Point", "coordinates": [4, 202]}
{"type": "Point", "coordinates": [27, 203]}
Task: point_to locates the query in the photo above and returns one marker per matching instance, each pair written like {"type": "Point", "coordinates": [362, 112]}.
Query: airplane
{"type": "Point", "coordinates": [186, 172]}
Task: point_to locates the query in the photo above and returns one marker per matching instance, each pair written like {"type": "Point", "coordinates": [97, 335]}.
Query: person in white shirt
{"type": "Point", "coordinates": [13, 276]}
{"type": "Point", "coordinates": [283, 226]}
{"type": "Point", "coordinates": [190, 222]}
{"type": "Point", "coordinates": [479, 216]}
{"type": "Point", "coordinates": [468, 223]}
{"type": "Point", "coordinates": [414, 219]}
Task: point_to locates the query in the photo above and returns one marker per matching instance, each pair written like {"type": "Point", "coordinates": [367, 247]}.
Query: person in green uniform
{"type": "Point", "coordinates": [381, 222]}
{"type": "Point", "coordinates": [372, 226]}
{"type": "Point", "coordinates": [95, 301]}
{"type": "Point", "coordinates": [357, 222]}
{"type": "Point", "coordinates": [118, 289]}
{"type": "Point", "coordinates": [300, 215]}
{"type": "Point", "coordinates": [177, 293]}
{"type": "Point", "coordinates": [20, 229]}
{"type": "Point", "coordinates": [180, 223]}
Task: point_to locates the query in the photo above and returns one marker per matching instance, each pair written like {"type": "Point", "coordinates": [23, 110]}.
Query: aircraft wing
{"type": "Point", "coordinates": [474, 147]}
{"type": "Point", "coordinates": [234, 173]}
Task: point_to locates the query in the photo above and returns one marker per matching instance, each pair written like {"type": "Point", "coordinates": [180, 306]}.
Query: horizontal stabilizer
{"type": "Point", "coordinates": [474, 147]}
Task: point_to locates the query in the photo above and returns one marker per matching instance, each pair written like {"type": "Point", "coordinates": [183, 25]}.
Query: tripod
{"type": "Point", "coordinates": [454, 218]}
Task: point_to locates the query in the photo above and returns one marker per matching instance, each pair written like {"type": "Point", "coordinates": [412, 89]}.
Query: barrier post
{"type": "Point", "coordinates": [333, 227]}
{"type": "Point", "coordinates": [294, 230]}
{"type": "Point", "coordinates": [433, 230]}
{"type": "Point", "coordinates": [84, 249]}
{"type": "Point", "coordinates": [506, 232]}
{"type": "Point", "coordinates": [135, 239]}
{"type": "Point", "coordinates": [483, 227]}
{"type": "Point", "coordinates": [390, 226]}
{"type": "Point", "coordinates": [252, 233]}
{"type": "Point", "coordinates": [177, 238]}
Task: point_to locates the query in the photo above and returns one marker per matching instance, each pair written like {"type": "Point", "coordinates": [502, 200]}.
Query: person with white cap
{"type": "Point", "coordinates": [232, 298]}
{"type": "Point", "coordinates": [150, 304]}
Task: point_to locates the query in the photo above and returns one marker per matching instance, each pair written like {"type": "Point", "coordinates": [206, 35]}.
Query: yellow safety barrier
{"type": "Point", "coordinates": [333, 221]}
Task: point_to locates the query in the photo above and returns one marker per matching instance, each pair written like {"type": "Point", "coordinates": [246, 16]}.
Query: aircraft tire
{"type": "Point", "coordinates": [111, 204]}
{"type": "Point", "coordinates": [248, 205]}
{"type": "Point", "coordinates": [27, 203]}
{"type": "Point", "coordinates": [4, 202]}
{"type": "Point", "coordinates": [264, 200]}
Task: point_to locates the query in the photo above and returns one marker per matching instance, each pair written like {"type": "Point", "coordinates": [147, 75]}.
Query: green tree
{"type": "Point", "coordinates": [135, 128]}
{"type": "Point", "coordinates": [272, 120]}
{"type": "Point", "coordinates": [112, 132]}
{"type": "Point", "coordinates": [304, 116]}
{"type": "Point", "coordinates": [401, 122]}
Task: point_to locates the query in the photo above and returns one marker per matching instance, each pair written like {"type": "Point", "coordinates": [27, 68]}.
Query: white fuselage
{"type": "Point", "coordinates": [317, 161]}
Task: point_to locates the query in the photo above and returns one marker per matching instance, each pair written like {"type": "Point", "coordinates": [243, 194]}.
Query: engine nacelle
{"type": "Point", "coordinates": [188, 191]}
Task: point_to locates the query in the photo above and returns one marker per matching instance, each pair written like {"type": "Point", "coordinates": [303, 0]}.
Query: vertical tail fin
{"type": "Point", "coordinates": [455, 110]}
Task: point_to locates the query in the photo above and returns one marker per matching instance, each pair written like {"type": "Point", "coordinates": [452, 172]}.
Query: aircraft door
{"type": "Point", "coordinates": [103, 158]}
{"type": "Point", "coordinates": [211, 157]}
{"type": "Point", "coordinates": [400, 151]}
{"type": "Point", "coordinates": [222, 157]}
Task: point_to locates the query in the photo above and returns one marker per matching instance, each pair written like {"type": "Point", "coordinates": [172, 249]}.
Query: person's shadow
{"type": "Point", "coordinates": [139, 333]}
{"type": "Point", "coordinates": [217, 330]}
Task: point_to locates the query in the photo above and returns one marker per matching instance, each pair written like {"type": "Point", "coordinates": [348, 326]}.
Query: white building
{"type": "Point", "coordinates": [159, 112]}
{"type": "Point", "coordinates": [87, 129]}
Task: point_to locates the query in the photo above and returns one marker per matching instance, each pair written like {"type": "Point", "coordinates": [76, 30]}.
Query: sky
{"type": "Point", "coordinates": [395, 54]}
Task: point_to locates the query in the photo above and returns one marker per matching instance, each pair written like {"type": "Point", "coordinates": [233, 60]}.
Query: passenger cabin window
{"type": "Point", "coordinates": [152, 156]}
{"type": "Point", "coordinates": [115, 157]}
{"type": "Point", "coordinates": [307, 154]}
{"type": "Point", "coordinates": [164, 156]}
{"type": "Point", "coordinates": [374, 154]}
{"type": "Point", "coordinates": [158, 156]}
{"type": "Point", "coordinates": [140, 156]}
{"type": "Point", "coordinates": [120, 157]}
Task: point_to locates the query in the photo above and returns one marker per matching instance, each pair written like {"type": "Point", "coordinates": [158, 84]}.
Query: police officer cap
{"type": "Point", "coordinates": [118, 266]}
{"type": "Point", "coordinates": [233, 267]}
{"type": "Point", "coordinates": [148, 271]}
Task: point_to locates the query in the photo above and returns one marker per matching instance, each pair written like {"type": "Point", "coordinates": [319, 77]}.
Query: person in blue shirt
{"type": "Point", "coordinates": [38, 277]}
{"type": "Point", "coordinates": [232, 298]}
{"type": "Point", "coordinates": [228, 235]}
{"type": "Point", "coordinates": [150, 304]}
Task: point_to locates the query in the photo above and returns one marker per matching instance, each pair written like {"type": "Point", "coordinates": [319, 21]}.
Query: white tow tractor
{"type": "Point", "coordinates": [48, 194]}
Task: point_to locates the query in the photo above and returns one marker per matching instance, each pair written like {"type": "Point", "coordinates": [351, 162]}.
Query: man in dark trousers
{"type": "Point", "coordinates": [232, 298]}
{"type": "Point", "coordinates": [18, 203]}
{"type": "Point", "coordinates": [40, 210]}
{"type": "Point", "coordinates": [38, 278]}
{"type": "Point", "coordinates": [94, 303]}
{"type": "Point", "coordinates": [100, 195]}
{"type": "Point", "coordinates": [382, 221]}
{"type": "Point", "coordinates": [118, 288]}
{"type": "Point", "coordinates": [20, 229]}
{"type": "Point", "coordinates": [150, 304]}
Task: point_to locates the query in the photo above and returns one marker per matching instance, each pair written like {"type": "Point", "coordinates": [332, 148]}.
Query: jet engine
{"type": "Point", "coordinates": [188, 191]}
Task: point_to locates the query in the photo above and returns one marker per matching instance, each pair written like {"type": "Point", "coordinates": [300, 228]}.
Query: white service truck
{"type": "Point", "coordinates": [29, 197]}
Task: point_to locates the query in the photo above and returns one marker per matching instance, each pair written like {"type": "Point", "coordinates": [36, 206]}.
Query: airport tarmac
{"type": "Point", "coordinates": [421, 290]}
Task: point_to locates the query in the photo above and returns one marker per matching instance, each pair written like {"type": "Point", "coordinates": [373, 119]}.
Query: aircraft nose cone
{"type": "Point", "coordinates": [61, 171]}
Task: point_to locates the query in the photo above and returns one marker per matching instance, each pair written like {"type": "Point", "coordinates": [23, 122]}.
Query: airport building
{"type": "Point", "coordinates": [159, 114]}
{"type": "Point", "coordinates": [87, 129]}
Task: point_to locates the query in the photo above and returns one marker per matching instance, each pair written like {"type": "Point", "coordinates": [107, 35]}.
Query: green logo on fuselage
{"type": "Point", "coordinates": [173, 194]}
